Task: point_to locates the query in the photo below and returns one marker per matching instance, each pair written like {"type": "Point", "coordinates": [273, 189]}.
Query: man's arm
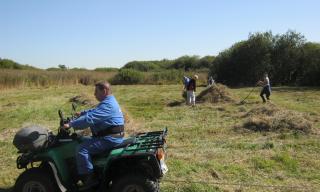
{"type": "Point", "coordinates": [261, 83]}
{"type": "Point", "coordinates": [85, 111]}
{"type": "Point", "coordinates": [90, 118]}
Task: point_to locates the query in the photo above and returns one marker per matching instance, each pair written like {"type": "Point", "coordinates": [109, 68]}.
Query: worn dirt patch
{"type": "Point", "coordinates": [8, 134]}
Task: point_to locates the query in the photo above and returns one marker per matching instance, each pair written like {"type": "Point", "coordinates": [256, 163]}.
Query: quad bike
{"type": "Point", "coordinates": [137, 164]}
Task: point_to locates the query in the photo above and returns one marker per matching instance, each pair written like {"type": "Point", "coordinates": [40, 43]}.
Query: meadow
{"type": "Point", "coordinates": [206, 150]}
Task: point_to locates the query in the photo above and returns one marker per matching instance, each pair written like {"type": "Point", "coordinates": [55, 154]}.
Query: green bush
{"type": "Point", "coordinates": [168, 76]}
{"type": "Point", "coordinates": [288, 58]}
{"type": "Point", "coordinates": [9, 64]}
{"type": "Point", "coordinates": [141, 66]}
{"type": "Point", "coordinates": [128, 77]}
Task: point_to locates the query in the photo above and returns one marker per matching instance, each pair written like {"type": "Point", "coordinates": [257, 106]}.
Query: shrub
{"type": "Point", "coordinates": [141, 65]}
{"type": "Point", "coordinates": [128, 77]}
{"type": "Point", "coordinates": [163, 77]}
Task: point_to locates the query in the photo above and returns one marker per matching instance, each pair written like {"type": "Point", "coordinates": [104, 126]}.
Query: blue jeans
{"type": "Point", "coordinates": [93, 146]}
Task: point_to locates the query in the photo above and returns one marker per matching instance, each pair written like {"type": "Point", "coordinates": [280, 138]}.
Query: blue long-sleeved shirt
{"type": "Point", "coordinates": [105, 115]}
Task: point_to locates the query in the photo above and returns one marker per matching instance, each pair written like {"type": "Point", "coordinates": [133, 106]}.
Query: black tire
{"type": "Point", "coordinates": [35, 179]}
{"type": "Point", "coordinates": [135, 183]}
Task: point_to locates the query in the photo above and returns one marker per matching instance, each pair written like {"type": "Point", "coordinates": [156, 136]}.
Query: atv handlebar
{"type": "Point", "coordinates": [62, 131]}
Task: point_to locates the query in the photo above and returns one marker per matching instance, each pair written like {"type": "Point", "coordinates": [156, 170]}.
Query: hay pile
{"type": "Point", "coordinates": [273, 118]}
{"type": "Point", "coordinates": [131, 127]}
{"type": "Point", "coordinates": [215, 93]}
{"type": "Point", "coordinates": [83, 99]}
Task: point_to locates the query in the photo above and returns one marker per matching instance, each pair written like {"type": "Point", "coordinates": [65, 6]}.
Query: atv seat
{"type": "Point", "coordinates": [124, 144]}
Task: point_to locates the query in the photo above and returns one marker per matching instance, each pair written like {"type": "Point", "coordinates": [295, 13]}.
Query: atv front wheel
{"type": "Point", "coordinates": [135, 183]}
{"type": "Point", "coordinates": [35, 180]}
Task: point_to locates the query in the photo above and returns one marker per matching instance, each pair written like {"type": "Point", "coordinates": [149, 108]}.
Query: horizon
{"type": "Point", "coordinates": [105, 34]}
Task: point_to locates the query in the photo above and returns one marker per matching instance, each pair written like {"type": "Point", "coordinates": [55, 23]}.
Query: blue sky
{"type": "Point", "coordinates": [94, 33]}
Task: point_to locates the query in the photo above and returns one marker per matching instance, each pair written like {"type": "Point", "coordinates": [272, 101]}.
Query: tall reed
{"type": "Point", "coordinates": [40, 78]}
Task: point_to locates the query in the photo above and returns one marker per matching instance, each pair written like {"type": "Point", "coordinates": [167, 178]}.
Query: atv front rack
{"type": "Point", "coordinates": [148, 141]}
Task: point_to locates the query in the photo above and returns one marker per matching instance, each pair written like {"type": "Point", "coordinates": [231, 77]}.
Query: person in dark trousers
{"type": "Point", "coordinates": [191, 89]}
{"type": "Point", "coordinates": [107, 126]}
{"type": "Point", "coordinates": [266, 88]}
{"type": "Point", "coordinates": [210, 81]}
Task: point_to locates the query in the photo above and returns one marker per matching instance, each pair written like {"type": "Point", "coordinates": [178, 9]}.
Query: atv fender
{"type": "Point", "coordinates": [55, 174]}
{"type": "Point", "coordinates": [145, 163]}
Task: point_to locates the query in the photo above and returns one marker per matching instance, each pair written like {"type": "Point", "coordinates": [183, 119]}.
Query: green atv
{"type": "Point", "coordinates": [137, 164]}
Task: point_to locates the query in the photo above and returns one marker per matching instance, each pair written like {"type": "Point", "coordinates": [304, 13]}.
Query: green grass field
{"type": "Point", "coordinates": [205, 152]}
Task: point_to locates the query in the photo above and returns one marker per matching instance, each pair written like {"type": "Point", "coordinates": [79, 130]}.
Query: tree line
{"type": "Point", "coordinates": [9, 64]}
{"type": "Point", "coordinates": [184, 63]}
{"type": "Point", "coordinates": [288, 59]}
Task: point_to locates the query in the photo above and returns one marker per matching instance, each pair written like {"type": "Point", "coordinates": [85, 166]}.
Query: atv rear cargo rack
{"type": "Point", "coordinates": [148, 141]}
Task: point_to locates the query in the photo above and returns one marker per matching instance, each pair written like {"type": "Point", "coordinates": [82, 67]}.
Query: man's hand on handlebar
{"type": "Point", "coordinates": [66, 126]}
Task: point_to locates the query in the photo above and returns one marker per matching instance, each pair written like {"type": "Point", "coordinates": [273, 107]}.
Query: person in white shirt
{"type": "Point", "coordinates": [191, 89]}
{"type": "Point", "coordinates": [266, 88]}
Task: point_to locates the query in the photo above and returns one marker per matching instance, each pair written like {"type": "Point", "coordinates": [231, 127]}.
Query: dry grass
{"type": "Point", "coordinates": [216, 93]}
{"type": "Point", "coordinates": [84, 100]}
{"type": "Point", "coordinates": [10, 78]}
{"type": "Point", "coordinates": [132, 127]}
{"type": "Point", "coordinates": [273, 118]}
{"type": "Point", "coordinates": [202, 144]}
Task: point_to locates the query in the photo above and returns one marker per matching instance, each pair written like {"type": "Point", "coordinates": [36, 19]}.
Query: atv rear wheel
{"type": "Point", "coordinates": [135, 183]}
{"type": "Point", "coordinates": [35, 180]}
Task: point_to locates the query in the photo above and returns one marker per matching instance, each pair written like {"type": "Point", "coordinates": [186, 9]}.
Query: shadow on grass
{"type": "Point", "coordinates": [173, 104]}
{"type": "Point", "coordinates": [286, 89]}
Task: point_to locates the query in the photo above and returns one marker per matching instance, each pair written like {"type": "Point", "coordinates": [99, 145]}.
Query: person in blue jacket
{"type": "Point", "coordinates": [107, 126]}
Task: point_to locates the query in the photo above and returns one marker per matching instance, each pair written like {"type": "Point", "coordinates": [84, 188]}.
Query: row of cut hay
{"type": "Point", "coordinates": [216, 93]}
{"type": "Point", "coordinates": [272, 118]}
{"type": "Point", "coordinates": [84, 100]}
{"type": "Point", "coordinates": [261, 118]}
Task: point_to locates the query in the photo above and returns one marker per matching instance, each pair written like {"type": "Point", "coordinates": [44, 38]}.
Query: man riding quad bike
{"type": "Point", "coordinates": [136, 164]}
{"type": "Point", "coordinates": [69, 162]}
